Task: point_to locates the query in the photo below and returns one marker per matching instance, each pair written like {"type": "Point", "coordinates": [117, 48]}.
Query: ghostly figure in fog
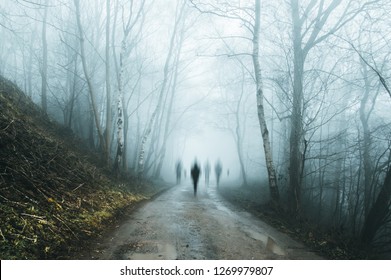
{"type": "Point", "coordinates": [195, 174]}
{"type": "Point", "coordinates": [218, 170]}
{"type": "Point", "coordinates": [207, 172]}
{"type": "Point", "coordinates": [178, 170]}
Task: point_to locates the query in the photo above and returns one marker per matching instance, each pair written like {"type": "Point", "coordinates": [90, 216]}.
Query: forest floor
{"type": "Point", "coordinates": [331, 244]}
{"type": "Point", "coordinates": [55, 193]}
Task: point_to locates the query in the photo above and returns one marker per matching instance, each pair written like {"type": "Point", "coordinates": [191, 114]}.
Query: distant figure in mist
{"type": "Point", "coordinates": [178, 170]}
{"type": "Point", "coordinates": [218, 170]}
{"type": "Point", "coordinates": [207, 172]}
{"type": "Point", "coordinates": [195, 174]}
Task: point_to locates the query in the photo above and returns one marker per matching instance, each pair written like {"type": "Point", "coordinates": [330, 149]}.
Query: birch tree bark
{"type": "Point", "coordinates": [274, 192]}
{"type": "Point", "coordinates": [122, 115]}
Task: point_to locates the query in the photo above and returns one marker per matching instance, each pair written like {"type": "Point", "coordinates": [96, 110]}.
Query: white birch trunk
{"type": "Point", "coordinates": [274, 192]}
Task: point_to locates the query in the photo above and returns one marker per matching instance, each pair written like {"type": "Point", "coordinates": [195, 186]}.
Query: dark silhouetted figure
{"type": "Point", "coordinates": [218, 170]}
{"type": "Point", "coordinates": [178, 170]}
{"type": "Point", "coordinates": [195, 174]}
{"type": "Point", "coordinates": [207, 172]}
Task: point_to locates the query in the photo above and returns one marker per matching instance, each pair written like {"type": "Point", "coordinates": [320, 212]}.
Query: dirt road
{"type": "Point", "coordinates": [177, 225]}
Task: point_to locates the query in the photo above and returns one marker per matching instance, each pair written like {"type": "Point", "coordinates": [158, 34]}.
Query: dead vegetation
{"type": "Point", "coordinates": [53, 197]}
{"type": "Point", "coordinates": [330, 244]}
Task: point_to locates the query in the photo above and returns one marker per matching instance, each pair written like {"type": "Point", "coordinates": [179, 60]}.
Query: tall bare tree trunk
{"type": "Point", "coordinates": [72, 89]}
{"type": "Point", "coordinates": [88, 79]}
{"type": "Point", "coordinates": [380, 209]}
{"type": "Point", "coordinates": [378, 212]}
{"type": "Point", "coordinates": [108, 86]}
{"type": "Point", "coordinates": [366, 142]}
{"type": "Point", "coordinates": [296, 129]}
{"type": "Point", "coordinates": [274, 192]}
{"type": "Point", "coordinates": [156, 112]}
{"type": "Point", "coordinates": [30, 65]}
{"type": "Point", "coordinates": [301, 47]}
{"type": "Point", "coordinates": [239, 135]}
{"type": "Point", "coordinates": [120, 110]}
{"type": "Point", "coordinates": [44, 70]}
{"type": "Point", "coordinates": [166, 132]}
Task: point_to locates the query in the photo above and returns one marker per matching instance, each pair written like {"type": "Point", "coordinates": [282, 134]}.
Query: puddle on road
{"type": "Point", "coordinates": [151, 250]}
{"type": "Point", "coordinates": [270, 244]}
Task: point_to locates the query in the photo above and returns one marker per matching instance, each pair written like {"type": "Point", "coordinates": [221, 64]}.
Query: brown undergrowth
{"type": "Point", "coordinates": [53, 196]}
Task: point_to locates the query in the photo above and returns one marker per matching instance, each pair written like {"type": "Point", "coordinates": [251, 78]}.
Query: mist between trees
{"type": "Point", "coordinates": [293, 94]}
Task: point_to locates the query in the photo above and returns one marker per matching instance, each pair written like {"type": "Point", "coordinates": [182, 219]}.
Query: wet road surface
{"type": "Point", "coordinates": [177, 225]}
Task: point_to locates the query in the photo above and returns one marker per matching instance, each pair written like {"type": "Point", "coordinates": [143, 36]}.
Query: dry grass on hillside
{"type": "Point", "coordinates": [52, 195]}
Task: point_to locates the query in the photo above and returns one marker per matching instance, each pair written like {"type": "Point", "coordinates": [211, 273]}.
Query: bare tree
{"type": "Point", "coordinates": [261, 111]}
{"type": "Point", "coordinates": [136, 16]}
{"type": "Point", "coordinates": [141, 155]}
{"type": "Point", "coordinates": [91, 90]}
{"type": "Point", "coordinates": [44, 70]}
{"type": "Point", "coordinates": [238, 128]}
{"type": "Point", "coordinates": [379, 211]}
{"type": "Point", "coordinates": [109, 129]}
{"type": "Point", "coordinates": [170, 103]}
{"type": "Point", "coordinates": [252, 24]}
{"type": "Point", "coordinates": [307, 33]}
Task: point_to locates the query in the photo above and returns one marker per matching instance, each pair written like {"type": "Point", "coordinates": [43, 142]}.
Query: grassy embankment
{"type": "Point", "coordinates": [54, 197]}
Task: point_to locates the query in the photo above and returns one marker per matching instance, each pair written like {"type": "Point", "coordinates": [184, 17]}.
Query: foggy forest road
{"type": "Point", "coordinates": [177, 225]}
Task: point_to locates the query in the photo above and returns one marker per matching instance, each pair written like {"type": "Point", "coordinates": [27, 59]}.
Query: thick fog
{"type": "Point", "coordinates": [199, 129]}
{"type": "Point", "coordinates": [291, 96]}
